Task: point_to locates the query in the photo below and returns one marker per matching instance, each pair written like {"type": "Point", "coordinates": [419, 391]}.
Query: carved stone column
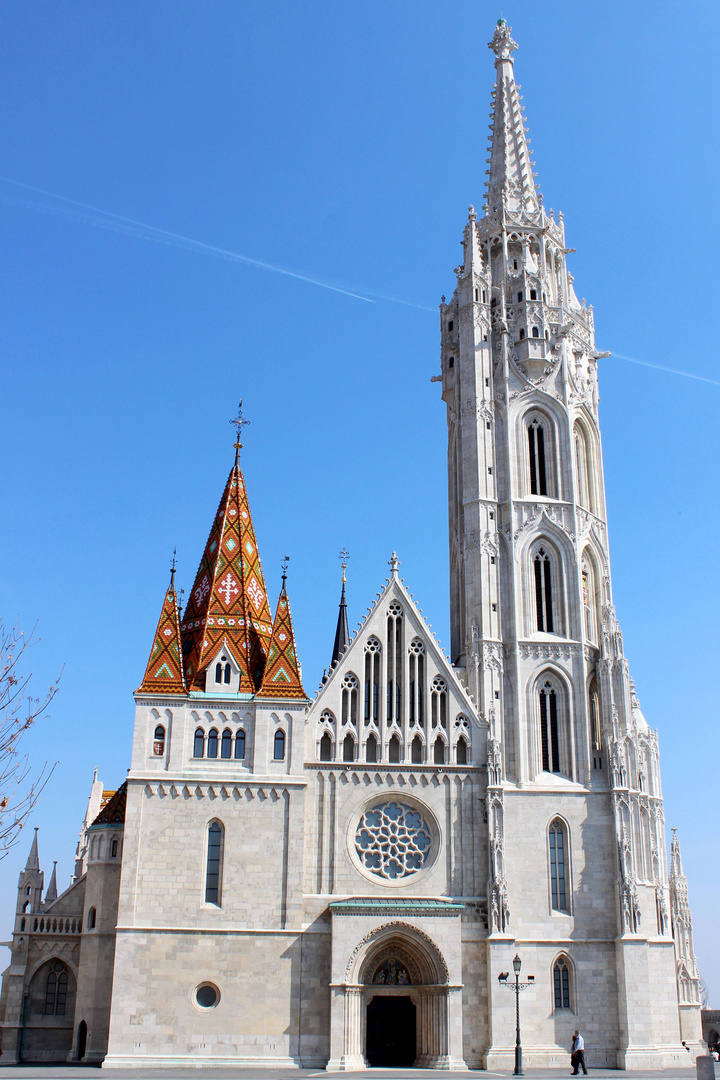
{"type": "Point", "coordinates": [346, 1029]}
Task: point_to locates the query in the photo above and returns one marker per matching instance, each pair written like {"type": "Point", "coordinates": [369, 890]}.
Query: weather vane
{"type": "Point", "coordinates": [344, 556]}
{"type": "Point", "coordinates": [239, 422]}
{"type": "Point", "coordinates": [285, 562]}
{"type": "Point", "coordinates": [172, 568]}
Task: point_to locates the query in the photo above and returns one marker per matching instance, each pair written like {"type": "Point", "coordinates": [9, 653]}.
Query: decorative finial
{"type": "Point", "coordinates": [239, 422]}
{"type": "Point", "coordinates": [172, 569]}
{"type": "Point", "coordinates": [285, 562]}
{"type": "Point", "coordinates": [344, 556]}
{"type": "Point", "coordinates": [502, 43]}
{"type": "Point", "coordinates": [394, 563]}
{"type": "Point", "coordinates": [180, 603]}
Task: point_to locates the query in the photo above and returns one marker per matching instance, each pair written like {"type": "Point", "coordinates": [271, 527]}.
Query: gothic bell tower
{"type": "Point", "coordinates": [575, 815]}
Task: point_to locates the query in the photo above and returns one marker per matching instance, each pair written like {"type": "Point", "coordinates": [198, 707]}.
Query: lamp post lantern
{"type": "Point", "coordinates": [503, 979]}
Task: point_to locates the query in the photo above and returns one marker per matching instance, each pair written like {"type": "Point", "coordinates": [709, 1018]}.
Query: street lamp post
{"type": "Point", "coordinates": [503, 979]}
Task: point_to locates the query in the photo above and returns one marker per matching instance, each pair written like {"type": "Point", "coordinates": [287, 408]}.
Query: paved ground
{"type": "Point", "coordinates": [78, 1072]}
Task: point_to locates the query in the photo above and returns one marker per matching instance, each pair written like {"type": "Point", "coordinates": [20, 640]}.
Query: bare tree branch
{"type": "Point", "coordinates": [19, 791]}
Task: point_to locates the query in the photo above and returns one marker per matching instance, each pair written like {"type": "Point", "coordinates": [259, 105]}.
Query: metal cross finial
{"type": "Point", "coordinates": [394, 563]}
{"type": "Point", "coordinates": [239, 422]}
{"type": "Point", "coordinates": [285, 562]}
{"type": "Point", "coordinates": [172, 569]}
{"type": "Point", "coordinates": [344, 556]}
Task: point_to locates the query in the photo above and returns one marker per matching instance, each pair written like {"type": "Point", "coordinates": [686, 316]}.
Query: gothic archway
{"type": "Point", "coordinates": [396, 1001]}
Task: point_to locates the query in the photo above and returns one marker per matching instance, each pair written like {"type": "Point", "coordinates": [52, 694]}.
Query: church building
{"type": "Point", "coordinates": [349, 879]}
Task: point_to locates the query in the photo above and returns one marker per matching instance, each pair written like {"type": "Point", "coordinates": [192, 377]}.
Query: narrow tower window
{"type": "Point", "coordinates": [416, 750]}
{"type": "Point", "coordinates": [159, 741]}
{"type": "Point", "coordinates": [394, 663]}
{"type": "Point", "coordinates": [558, 867]}
{"type": "Point", "coordinates": [416, 665]}
{"type": "Point", "coordinates": [240, 745]}
{"type": "Point", "coordinates": [212, 743]}
{"type": "Point", "coordinates": [348, 748]}
{"type": "Point", "coordinates": [394, 751]}
{"type": "Point", "coordinates": [543, 591]}
{"type": "Point", "coordinates": [326, 748]}
{"type": "Point", "coordinates": [549, 737]}
{"type": "Point", "coordinates": [536, 449]}
{"type": "Point", "coordinates": [199, 744]}
{"type": "Point", "coordinates": [462, 752]}
{"type": "Point", "coordinates": [439, 752]}
{"type": "Point", "coordinates": [212, 870]}
{"type": "Point", "coordinates": [226, 744]}
{"type": "Point", "coordinates": [350, 699]}
{"type": "Point", "coordinates": [439, 703]}
{"type": "Point", "coordinates": [279, 746]}
{"type": "Point", "coordinates": [372, 680]}
{"type": "Point", "coordinates": [371, 750]}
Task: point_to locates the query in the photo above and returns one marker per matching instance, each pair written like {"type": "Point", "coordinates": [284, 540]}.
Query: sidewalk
{"type": "Point", "coordinates": [87, 1072]}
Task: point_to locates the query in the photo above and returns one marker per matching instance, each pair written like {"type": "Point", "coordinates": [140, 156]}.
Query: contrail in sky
{"type": "Point", "coordinates": [669, 370]}
{"type": "Point", "coordinates": [106, 219]}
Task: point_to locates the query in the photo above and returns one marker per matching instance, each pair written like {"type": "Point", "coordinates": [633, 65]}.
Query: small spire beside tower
{"type": "Point", "coordinates": [342, 632]}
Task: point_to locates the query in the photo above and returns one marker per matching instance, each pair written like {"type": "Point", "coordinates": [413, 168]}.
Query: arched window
{"type": "Point", "coordinates": [199, 745]}
{"type": "Point", "coordinates": [239, 745]}
{"type": "Point", "coordinates": [543, 591]}
{"type": "Point", "coordinates": [226, 674]}
{"type": "Point", "coordinates": [91, 919]}
{"type": "Point", "coordinates": [438, 696]}
{"type": "Point", "coordinates": [372, 681]}
{"type": "Point", "coordinates": [590, 598]}
{"type": "Point", "coordinates": [394, 663]}
{"type": "Point", "coordinates": [56, 989]}
{"type": "Point", "coordinates": [535, 332]}
{"type": "Point", "coordinates": [226, 744]}
{"type": "Point", "coordinates": [549, 733]}
{"type": "Point", "coordinates": [279, 746]}
{"type": "Point", "coordinates": [159, 741]}
{"type": "Point", "coordinates": [583, 469]}
{"type": "Point", "coordinates": [348, 748]}
{"type": "Point", "coordinates": [417, 682]}
{"type": "Point", "coordinates": [371, 748]}
{"type": "Point", "coordinates": [595, 728]}
{"type": "Point", "coordinates": [536, 451]}
{"type": "Point", "coordinates": [416, 750]}
{"type": "Point", "coordinates": [218, 673]}
{"type": "Point", "coordinates": [222, 671]}
{"type": "Point", "coordinates": [350, 699]}
{"type": "Point", "coordinates": [439, 752]}
{"type": "Point", "coordinates": [394, 751]}
{"type": "Point", "coordinates": [114, 848]}
{"type": "Point", "coordinates": [213, 865]}
{"type": "Point", "coordinates": [557, 837]}
{"type": "Point", "coordinates": [212, 743]}
{"type": "Point", "coordinates": [561, 983]}
{"type": "Point", "coordinates": [462, 755]}
{"type": "Point", "coordinates": [326, 747]}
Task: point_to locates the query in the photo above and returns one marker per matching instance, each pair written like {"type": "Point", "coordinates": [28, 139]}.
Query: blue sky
{"type": "Point", "coordinates": [343, 143]}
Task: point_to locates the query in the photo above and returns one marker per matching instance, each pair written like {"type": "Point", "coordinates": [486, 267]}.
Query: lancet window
{"type": "Point", "coordinates": [536, 457]}
{"type": "Point", "coordinates": [226, 744]}
{"type": "Point", "coordinates": [438, 696]}
{"type": "Point", "coordinates": [212, 743]}
{"type": "Point", "coordinates": [199, 743]}
{"type": "Point", "coordinates": [583, 468]}
{"type": "Point", "coordinates": [348, 748]}
{"type": "Point", "coordinates": [549, 732]}
{"type": "Point", "coordinates": [371, 750]}
{"type": "Point", "coordinates": [394, 654]}
{"type": "Point", "coordinates": [589, 596]}
{"type": "Point", "coordinates": [213, 863]}
{"type": "Point", "coordinates": [394, 750]}
{"type": "Point", "coordinates": [561, 983]}
{"type": "Point", "coordinates": [416, 665]}
{"type": "Point", "coordinates": [222, 671]}
{"type": "Point", "coordinates": [595, 728]}
{"type": "Point", "coordinates": [559, 893]}
{"type": "Point", "coordinates": [56, 989]}
{"type": "Point", "coordinates": [416, 750]}
{"type": "Point", "coordinates": [279, 746]}
{"type": "Point", "coordinates": [350, 699]}
{"type": "Point", "coordinates": [326, 747]}
{"type": "Point", "coordinates": [543, 591]}
{"type": "Point", "coordinates": [439, 752]}
{"type": "Point", "coordinates": [372, 681]}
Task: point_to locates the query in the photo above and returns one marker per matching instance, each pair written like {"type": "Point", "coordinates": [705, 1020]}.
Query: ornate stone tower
{"type": "Point", "coordinates": [578, 872]}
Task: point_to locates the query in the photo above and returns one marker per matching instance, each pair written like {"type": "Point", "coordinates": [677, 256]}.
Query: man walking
{"type": "Point", "coordinates": [577, 1057]}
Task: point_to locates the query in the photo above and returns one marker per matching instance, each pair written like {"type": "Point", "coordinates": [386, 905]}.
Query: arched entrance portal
{"type": "Point", "coordinates": [397, 1001]}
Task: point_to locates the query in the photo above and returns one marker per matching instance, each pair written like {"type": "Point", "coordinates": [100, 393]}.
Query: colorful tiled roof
{"type": "Point", "coordinates": [228, 606]}
{"type": "Point", "coordinates": [164, 673]}
{"type": "Point", "coordinates": [282, 672]}
{"type": "Point", "coordinates": [113, 813]}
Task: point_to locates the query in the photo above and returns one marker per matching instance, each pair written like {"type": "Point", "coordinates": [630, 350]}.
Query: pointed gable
{"type": "Point", "coordinates": [164, 672]}
{"type": "Point", "coordinates": [282, 672]}
{"type": "Point", "coordinates": [113, 812]}
{"type": "Point", "coordinates": [229, 600]}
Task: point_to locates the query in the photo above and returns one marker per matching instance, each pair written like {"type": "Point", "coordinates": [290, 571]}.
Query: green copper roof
{"type": "Point", "coordinates": [366, 905]}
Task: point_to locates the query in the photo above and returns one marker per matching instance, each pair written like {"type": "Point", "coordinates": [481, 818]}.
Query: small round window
{"type": "Point", "coordinates": [207, 996]}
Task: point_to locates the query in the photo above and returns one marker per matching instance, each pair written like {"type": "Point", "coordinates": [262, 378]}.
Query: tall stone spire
{"type": "Point", "coordinates": [52, 894]}
{"type": "Point", "coordinates": [342, 632]}
{"type": "Point", "coordinates": [33, 860]}
{"type": "Point", "coordinates": [687, 973]}
{"type": "Point", "coordinates": [511, 184]}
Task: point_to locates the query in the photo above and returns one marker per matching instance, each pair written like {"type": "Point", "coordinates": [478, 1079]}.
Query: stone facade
{"type": "Point", "coordinates": [348, 880]}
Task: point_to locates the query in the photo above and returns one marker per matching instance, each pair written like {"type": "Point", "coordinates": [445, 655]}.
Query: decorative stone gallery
{"type": "Point", "coordinates": [340, 881]}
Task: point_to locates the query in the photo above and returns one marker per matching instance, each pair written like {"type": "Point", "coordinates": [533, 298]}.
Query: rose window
{"type": "Point", "coordinates": [393, 840]}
